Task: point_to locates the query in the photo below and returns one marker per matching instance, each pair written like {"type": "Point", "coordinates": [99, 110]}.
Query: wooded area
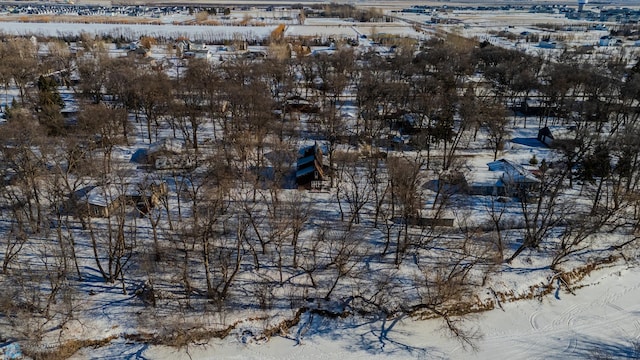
{"type": "Point", "coordinates": [220, 228]}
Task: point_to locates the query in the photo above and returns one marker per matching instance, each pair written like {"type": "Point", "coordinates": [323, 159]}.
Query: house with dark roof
{"type": "Point", "coordinates": [545, 136]}
{"type": "Point", "coordinates": [309, 166]}
{"type": "Point", "coordinates": [557, 134]}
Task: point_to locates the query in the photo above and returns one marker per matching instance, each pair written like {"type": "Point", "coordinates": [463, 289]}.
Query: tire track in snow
{"type": "Point", "coordinates": [573, 344]}
{"type": "Point", "coordinates": [533, 320]}
{"type": "Point", "coordinates": [573, 322]}
{"type": "Point", "coordinates": [565, 318]}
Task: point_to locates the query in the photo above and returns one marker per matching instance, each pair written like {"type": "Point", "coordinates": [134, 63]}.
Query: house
{"type": "Point", "coordinates": [449, 182]}
{"type": "Point", "coordinates": [187, 49]}
{"type": "Point", "coordinates": [139, 51]}
{"type": "Point", "coordinates": [198, 46]}
{"type": "Point", "coordinates": [514, 176]}
{"type": "Point", "coordinates": [299, 104]}
{"type": "Point", "coordinates": [146, 196]}
{"type": "Point", "coordinates": [309, 166]}
{"type": "Point", "coordinates": [486, 183]}
{"type": "Point", "coordinates": [182, 46]}
{"type": "Point", "coordinates": [168, 154]}
{"type": "Point", "coordinates": [101, 201]}
{"type": "Point", "coordinates": [607, 41]}
{"type": "Point", "coordinates": [106, 200]}
{"type": "Point", "coordinates": [202, 54]}
{"type": "Point", "coordinates": [503, 178]}
{"type": "Point", "coordinates": [552, 136]}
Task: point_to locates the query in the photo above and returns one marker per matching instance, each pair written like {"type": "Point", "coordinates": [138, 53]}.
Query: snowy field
{"type": "Point", "coordinates": [136, 31]}
{"type": "Point", "coordinates": [599, 321]}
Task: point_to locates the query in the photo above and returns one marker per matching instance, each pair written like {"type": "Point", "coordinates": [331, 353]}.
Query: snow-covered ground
{"type": "Point", "coordinates": [600, 320]}
{"type": "Point", "coordinates": [206, 33]}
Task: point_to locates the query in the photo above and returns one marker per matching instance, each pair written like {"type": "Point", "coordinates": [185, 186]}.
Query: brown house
{"type": "Point", "coordinates": [104, 201]}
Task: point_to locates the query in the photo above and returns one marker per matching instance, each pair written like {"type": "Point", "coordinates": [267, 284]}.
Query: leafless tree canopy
{"type": "Point", "coordinates": [180, 186]}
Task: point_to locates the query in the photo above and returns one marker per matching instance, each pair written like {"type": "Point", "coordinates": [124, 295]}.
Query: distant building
{"type": "Point", "coordinates": [607, 41]}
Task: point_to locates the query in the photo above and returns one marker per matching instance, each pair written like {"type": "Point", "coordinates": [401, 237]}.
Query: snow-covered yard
{"type": "Point", "coordinates": [599, 320]}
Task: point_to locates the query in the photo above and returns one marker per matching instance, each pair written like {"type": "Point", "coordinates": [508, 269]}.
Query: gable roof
{"type": "Point", "coordinates": [166, 145]}
{"type": "Point", "coordinates": [512, 172]}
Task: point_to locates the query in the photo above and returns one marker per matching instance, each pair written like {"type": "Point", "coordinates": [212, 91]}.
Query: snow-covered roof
{"type": "Point", "coordinates": [306, 160]}
{"type": "Point", "coordinates": [486, 178]}
{"type": "Point", "coordinates": [102, 195]}
{"type": "Point", "coordinates": [512, 172]}
{"type": "Point", "coordinates": [169, 145]}
{"type": "Point", "coordinates": [105, 195]}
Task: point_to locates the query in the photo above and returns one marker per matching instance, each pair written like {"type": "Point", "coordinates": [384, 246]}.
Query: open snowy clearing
{"type": "Point", "coordinates": [135, 31]}
{"type": "Point", "coordinates": [601, 319]}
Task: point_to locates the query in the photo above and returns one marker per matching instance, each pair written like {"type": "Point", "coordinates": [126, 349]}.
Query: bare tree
{"type": "Point", "coordinates": [406, 194]}
{"type": "Point", "coordinates": [114, 242]}
{"type": "Point", "coordinates": [496, 122]}
{"type": "Point", "coordinates": [93, 70]}
{"type": "Point", "coordinates": [343, 255]}
{"type": "Point", "coordinates": [102, 125]}
{"type": "Point", "coordinates": [496, 211]}
{"type": "Point", "coordinates": [194, 95]}
{"type": "Point", "coordinates": [352, 186]}
{"type": "Point", "coordinates": [541, 209]}
{"type": "Point", "coordinates": [153, 91]}
{"type": "Point", "coordinates": [25, 165]}
{"type": "Point", "coordinates": [121, 83]}
{"type": "Point", "coordinates": [22, 62]}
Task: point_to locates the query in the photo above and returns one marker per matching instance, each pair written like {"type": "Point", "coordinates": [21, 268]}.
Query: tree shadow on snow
{"type": "Point", "coordinates": [124, 351]}
{"type": "Point", "coordinates": [376, 336]}
{"type": "Point", "coordinates": [586, 347]}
